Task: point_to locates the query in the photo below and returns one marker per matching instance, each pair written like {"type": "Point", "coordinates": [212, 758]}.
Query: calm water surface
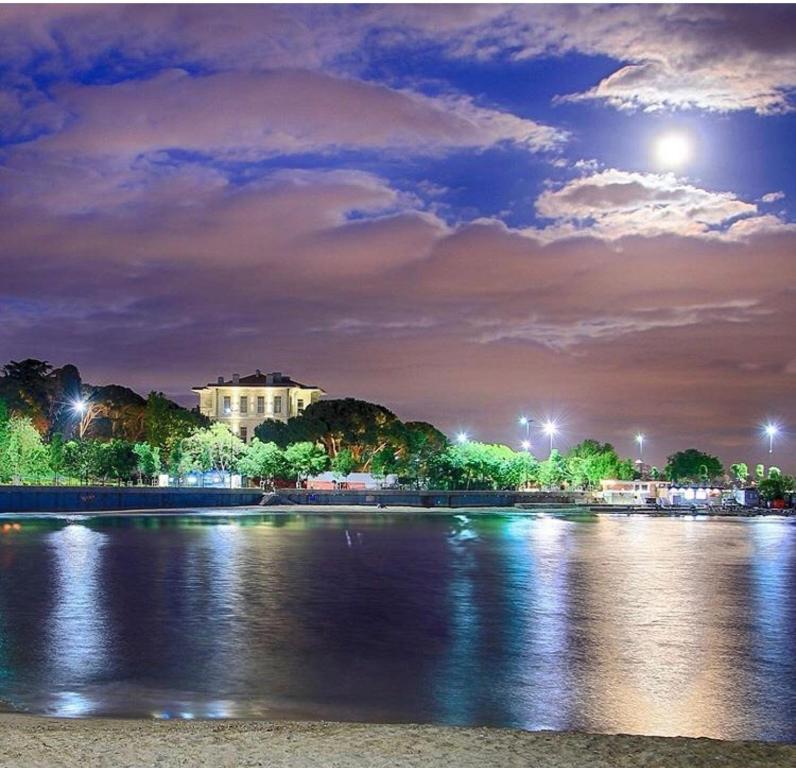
{"type": "Point", "coordinates": [612, 624]}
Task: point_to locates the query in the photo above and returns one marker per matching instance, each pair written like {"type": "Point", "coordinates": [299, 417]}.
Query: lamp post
{"type": "Point", "coordinates": [524, 421]}
{"type": "Point", "coordinates": [462, 438]}
{"type": "Point", "coordinates": [228, 412]}
{"type": "Point", "coordinates": [640, 441]}
{"type": "Point", "coordinates": [771, 430]}
{"type": "Point", "coordinates": [550, 428]}
{"type": "Point", "coordinates": [526, 446]}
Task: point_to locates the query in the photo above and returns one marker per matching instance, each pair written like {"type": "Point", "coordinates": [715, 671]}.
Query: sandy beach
{"type": "Point", "coordinates": [36, 741]}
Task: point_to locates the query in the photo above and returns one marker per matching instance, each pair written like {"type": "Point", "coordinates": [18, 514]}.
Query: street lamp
{"type": "Point", "coordinates": [550, 428]}
{"type": "Point", "coordinates": [526, 446]}
{"type": "Point", "coordinates": [228, 412]}
{"type": "Point", "coordinates": [462, 438]}
{"type": "Point", "coordinates": [771, 430]}
{"type": "Point", "coordinates": [524, 421]}
{"type": "Point", "coordinates": [86, 412]}
{"type": "Point", "coordinates": [640, 441]}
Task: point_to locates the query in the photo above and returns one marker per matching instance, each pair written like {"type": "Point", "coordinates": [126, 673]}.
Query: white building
{"type": "Point", "coordinates": [244, 402]}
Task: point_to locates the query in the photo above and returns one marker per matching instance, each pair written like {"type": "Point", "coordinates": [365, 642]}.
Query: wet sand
{"type": "Point", "coordinates": [35, 741]}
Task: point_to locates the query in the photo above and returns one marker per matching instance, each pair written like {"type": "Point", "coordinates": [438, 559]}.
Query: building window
{"type": "Point", "coordinates": [260, 405]}
{"type": "Point", "coordinates": [244, 433]}
{"type": "Point", "coordinates": [244, 404]}
{"type": "Point", "coordinates": [300, 404]}
{"type": "Point", "coordinates": [227, 404]}
{"type": "Point", "coordinates": [278, 404]}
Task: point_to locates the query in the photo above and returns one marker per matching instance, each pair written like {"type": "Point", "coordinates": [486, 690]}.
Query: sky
{"type": "Point", "coordinates": [460, 212]}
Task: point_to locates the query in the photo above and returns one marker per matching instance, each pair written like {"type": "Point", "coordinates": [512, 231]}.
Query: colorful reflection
{"type": "Point", "coordinates": [614, 624]}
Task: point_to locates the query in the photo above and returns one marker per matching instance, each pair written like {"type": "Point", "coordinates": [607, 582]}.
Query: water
{"type": "Point", "coordinates": [610, 624]}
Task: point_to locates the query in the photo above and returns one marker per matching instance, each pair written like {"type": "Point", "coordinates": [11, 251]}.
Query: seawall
{"type": "Point", "coordinates": [34, 498]}
{"type": "Point", "coordinates": [423, 499]}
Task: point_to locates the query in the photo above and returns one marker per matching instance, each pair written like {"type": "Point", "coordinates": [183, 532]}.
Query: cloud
{"type": "Point", "coordinates": [712, 57]}
{"type": "Point", "coordinates": [615, 204]}
{"type": "Point", "coordinates": [772, 197]}
{"type": "Point", "coordinates": [259, 114]}
{"type": "Point", "coordinates": [564, 335]}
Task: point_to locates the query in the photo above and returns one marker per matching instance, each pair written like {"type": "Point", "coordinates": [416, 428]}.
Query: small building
{"type": "Point", "coordinates": [355, 481]}
{"type": "Point", "coordinates": [694, 495]}
{"type": "Point", "coordinates": [633, 492]}
{"type": "Point", "coordinates": [245, 402]}
{"type": "Point", "coordinates": [747, 497]}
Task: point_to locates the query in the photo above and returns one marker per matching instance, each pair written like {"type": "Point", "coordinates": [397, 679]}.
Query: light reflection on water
{"type": "Point", "coordinates": [614, 624]}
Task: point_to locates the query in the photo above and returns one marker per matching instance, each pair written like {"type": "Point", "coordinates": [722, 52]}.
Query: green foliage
{"type": "Point", "coordinates": [148, 462]}
{"type": "Point", "coordinates": [264, 460]}
{"type": "Point", "coordinates": [57, 454]}
{"type": "Point", "coordinates": [5, 427]}
{"type": "Point", "coordinates": [305, 459]}
{"type": "Point", "coordinates": [740, 471]}
{"type": "Point", "coordinates": [760, 471]}
{"type": "Point", "coordinates": [553, 471]}
{"type": "Point", "coordinates": [363, 428]}
{"type": "Point", "coordinates": [215, 447]}
{"type": "Point", "coordinates": [693, 466]}
{"type": "Point", "coordinates": [25, 458]}
{"type": "Point", "coordinates": [480, 466]}
{"type": "Point", "coordinates": [115, 460]}
{"type": "Point", "coordinates": [776, 486]}
{"type": "Point", "coordinates": [590, 461]}
{"type": "Point", "coordinates": [344, 463]}
{"type": "Point", "coordinates": [774, 471]}
{"type": "Point", "coordinates": [166, 425]}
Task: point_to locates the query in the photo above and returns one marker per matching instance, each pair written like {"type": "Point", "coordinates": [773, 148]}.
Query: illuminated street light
{"type": "Point", "coordinates": [771, 430]}
{"type": "Point", "coordinates": [462, 438]}
{"type": "Point", "coordinates": [86, 412]}
{"type": "Point", "coordinates": [550, 428]}
{"type": "Point", "coordinates": [526, 422]}
{"type": "Point", "coordinates": [526, 445]}
{"type": "Point", "coordinates": [640, 441]}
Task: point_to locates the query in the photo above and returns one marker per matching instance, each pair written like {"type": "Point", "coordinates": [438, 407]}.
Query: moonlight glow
{"type": "Point", "coordinates": [673, 150]}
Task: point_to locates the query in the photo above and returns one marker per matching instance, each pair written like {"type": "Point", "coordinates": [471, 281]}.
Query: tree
{"type": "Point", "coordinates": [263, 460]}
{"type": "Point", "coordinates": [344, 463]}
{"type": "Point", "coordinates": [484, 466]}
{"type": "Point", "coordinates": [25, 456]}
{"type": "Point", "coordinates": [304, 460]}
{"type": "Point", "coordinates": [740, 471]}
{"type": "Point", "coordinates": [166, 424]}
{"type": "Point", "coordinates": [590, 461]}
{"type": "Point", "coordinates": [147, 460]}
{"type": "Point", "coordinates": [27, 386]}
{"type": "Point", "coordinates": [5, 426]}
{"type": "Point", "coordinates": [80, 458]}
{"type": "Point", "coordinates": [116, 460]}
{"type": "Point", "coordinates": [694, 466]}
{"type": "Point", "coordinates": [553, 470]}
{"type": "Point", "coordinates": [57, 455]}
{"type": "Point", "coordinates": [412, 447]}
{"type": "Point", "coordinates": [215, 447]}
{"type": "Point", "coordinates": [773, 488]}
{"type": "Point", "coordinates": [364, 428]}
{"type": "Point", "coordinates": [760, 471]}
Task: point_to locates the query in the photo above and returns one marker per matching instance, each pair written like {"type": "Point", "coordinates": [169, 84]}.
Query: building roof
{"type": "Point", "coordinates": [259, 379]}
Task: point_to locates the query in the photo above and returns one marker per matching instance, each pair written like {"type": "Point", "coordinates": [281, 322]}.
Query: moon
{"type": "Point", "coordinates": [673, 150]}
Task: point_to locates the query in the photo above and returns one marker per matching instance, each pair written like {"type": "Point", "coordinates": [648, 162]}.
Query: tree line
{"type": "Point", "coordinates": [131, 439]}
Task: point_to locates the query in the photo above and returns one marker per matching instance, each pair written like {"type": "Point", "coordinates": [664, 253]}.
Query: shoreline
{"type": "Point", "coordinates": [364, 509]}
{"type": "Point", "coordinates": [31, 740]}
